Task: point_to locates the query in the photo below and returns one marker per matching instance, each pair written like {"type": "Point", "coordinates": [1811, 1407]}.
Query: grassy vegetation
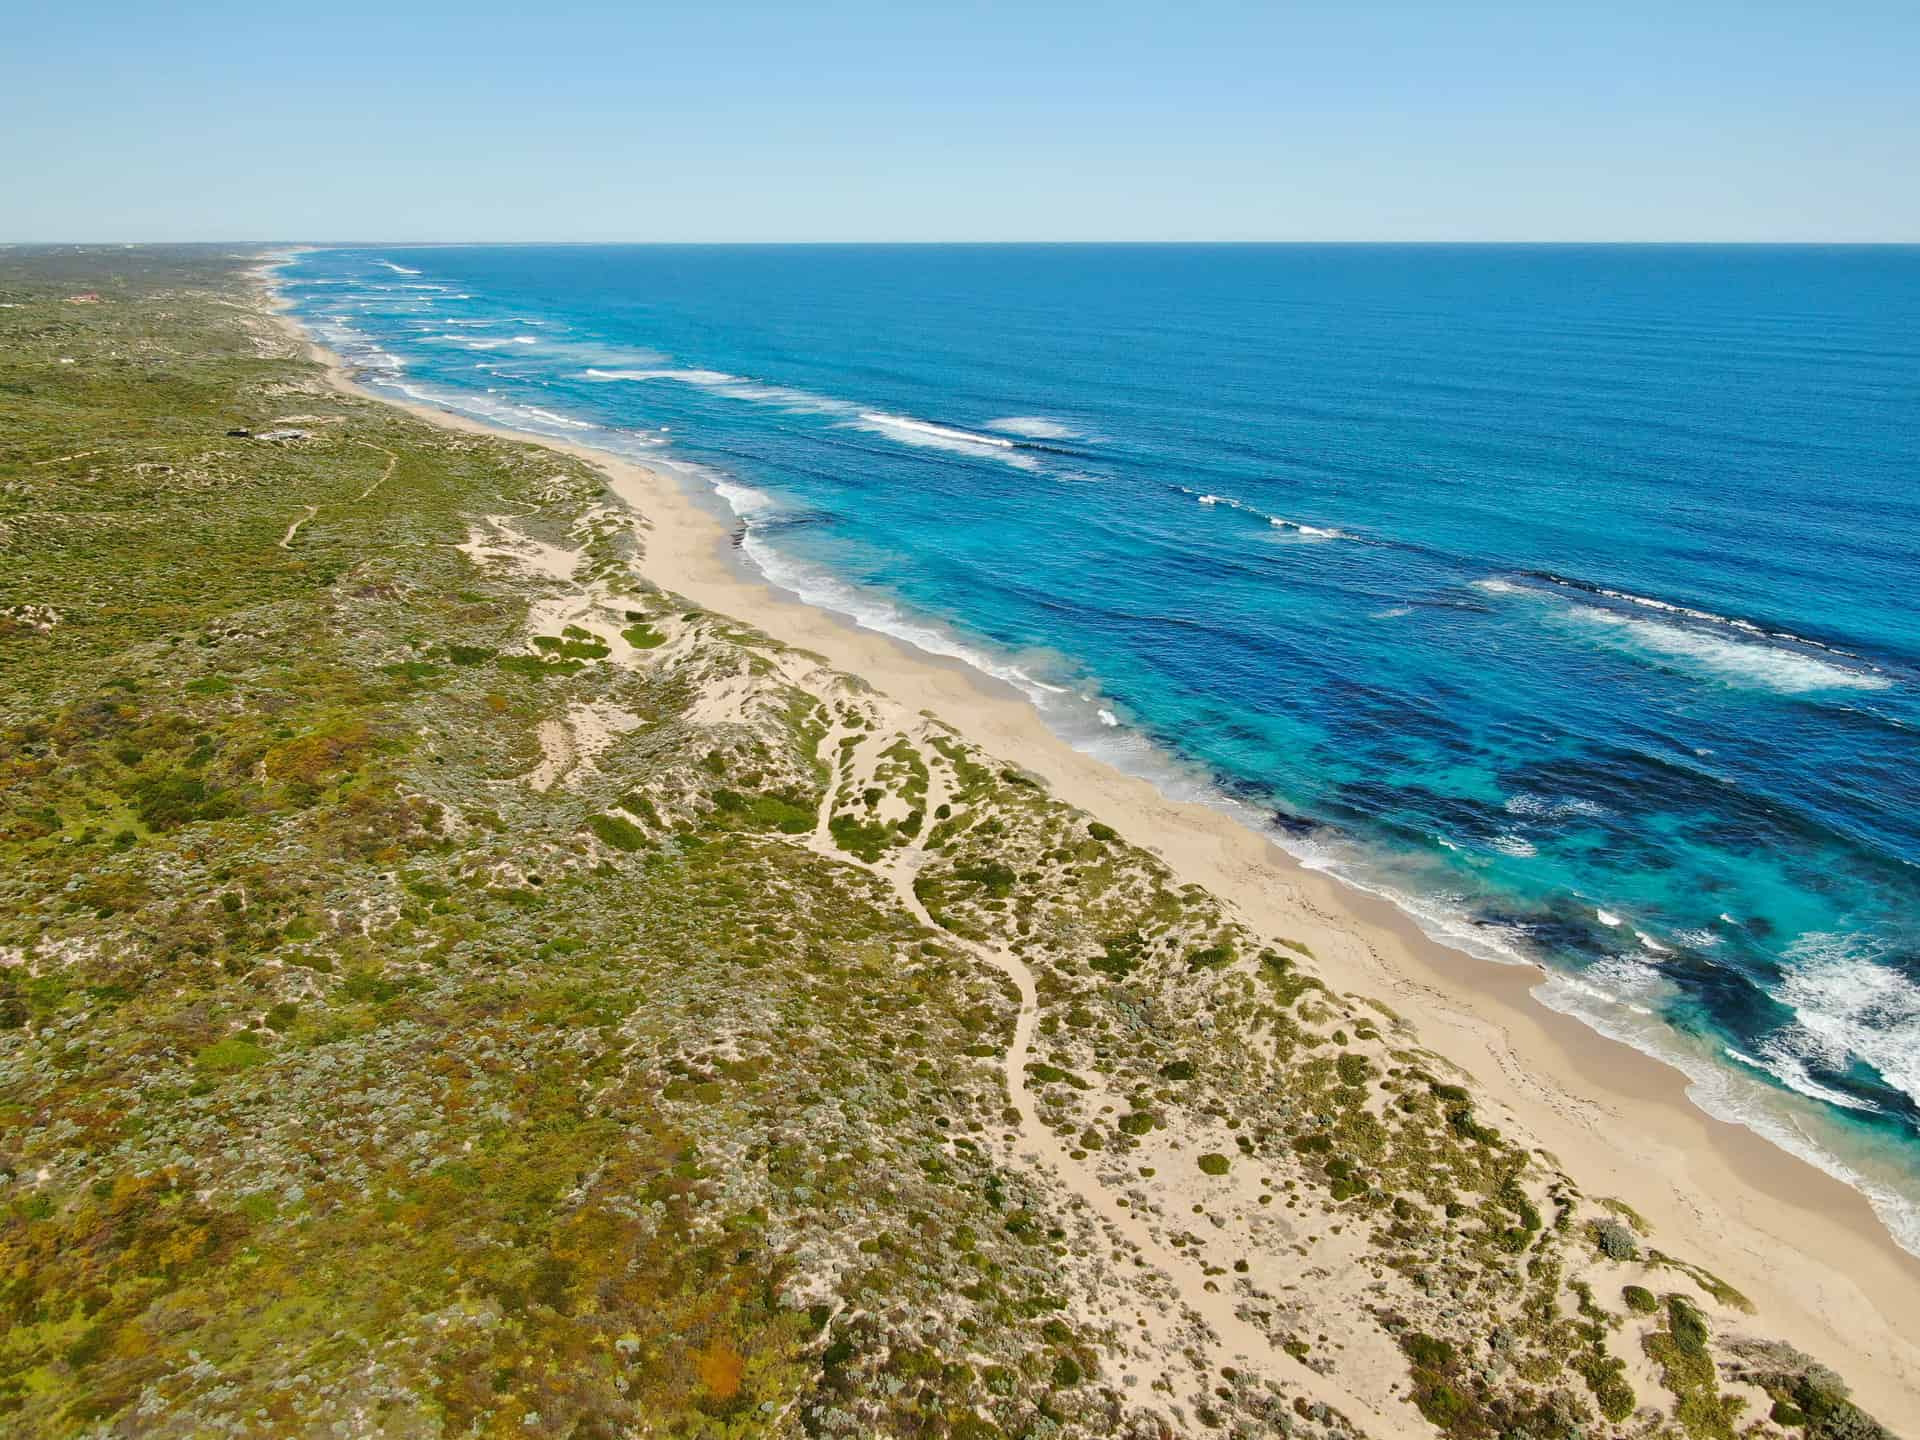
{"type": "Point", "coordinates": [345, 1076]}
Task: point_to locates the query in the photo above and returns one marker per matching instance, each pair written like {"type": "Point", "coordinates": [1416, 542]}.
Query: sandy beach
{"type": "Point", "coordinates": [1808, 1250]}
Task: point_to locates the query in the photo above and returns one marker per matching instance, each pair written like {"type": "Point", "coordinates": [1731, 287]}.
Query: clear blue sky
{"type": "Point", "coordinates": [1681, 119]}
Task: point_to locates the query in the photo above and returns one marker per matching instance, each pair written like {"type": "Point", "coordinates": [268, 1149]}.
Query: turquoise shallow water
{"type": "Point", "coordinates": [1568, 595]}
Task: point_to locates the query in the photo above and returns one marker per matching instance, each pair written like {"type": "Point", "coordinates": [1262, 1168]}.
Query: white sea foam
{"type": "Point", "coordinates": [486, 407]}
{"type": "Point", "coordinates": [1542, 807]}
{"type": "Point", "coordinates": [820, 587]}
{"type": "Point", "coordinates": [397, 269]}
{"type": "Point", "coordinates": [1312, 532]}
{"type": "Point", "coordinates": [1515, 845]}
{"type": "Point", "coordinates": [1109, 719]}
{"type": "Point", "coordinates": [903, 429]}
{"type": "Point", "coordinates": [1790, 1071]}
{"type": "Point", "coordinates": [1692, 612]}
{"type": "Point", "coordinates": [1647, 942]}
{"type": "Point", "coordinates": [918, 431]}
{"type": "Point", "coordinates": [736, 387]}
{"type": "Point", "coordinates": [564, 421]}
{"type": "Point", "coordinates": [1620, 1004]}
{"type": "Point", "coordinates": [1767, 666]}
{"type": "Point", "coordinates": [1034, 427]}
{"type": "Point", "coordinates": [786, 398]}
{"type": "Point", "coordinates": [1849, 1004]}
{"type": "Point", "coordinates": [1767, 660]}
{"type": "Point", "coordinates": [687, 377]}
{"type": "Point", "coordinates": [906, 430]}
{"type": "Point", "coordinates": [1608, 919]}
{"type": "Point", "coordinates": [1278, 522]}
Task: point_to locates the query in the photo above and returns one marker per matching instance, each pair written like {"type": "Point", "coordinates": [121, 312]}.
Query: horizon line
{"type": "Point", "coordinates": [342, 244]}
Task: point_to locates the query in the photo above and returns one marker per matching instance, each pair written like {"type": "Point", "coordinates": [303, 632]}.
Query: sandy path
{"type": "Point", "coordinates": [286, 540]}
{"type": "Point", "coordinates": [1231, 1341]}
{"type": "Point", "coordinates": [392, 460]}
{"type": "Point", "coordinates": [556, 754]}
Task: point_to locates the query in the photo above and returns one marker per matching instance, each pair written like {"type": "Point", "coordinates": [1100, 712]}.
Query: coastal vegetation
{"type": "Point", "coordinates": [450, 987]}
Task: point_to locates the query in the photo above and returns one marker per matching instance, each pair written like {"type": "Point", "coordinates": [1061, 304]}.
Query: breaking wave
{"type": "Point", "coordinates": [1278, 522]}
{"type": "Point", "coordinates": [1734, 651]}
{"type": "Point", "coordinates": [1624, 999]}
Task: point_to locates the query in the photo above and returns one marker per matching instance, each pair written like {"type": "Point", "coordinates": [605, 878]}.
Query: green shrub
{"type": "Point", "coordinates": [996, 879]}
{"type": "Point", "coordinates": [1427, 1351]}
{"type": "Point", "coordinates": [1615, 1398]}
{"type": "Point", "coordinates": [620, 834]}
{"type": "Point", "coordinates": [1443, 1405]}
{"type": "Point", "coordinates": [1688, 1325]}
{"type": "Point", "coordinates": [867, 839]}
{"type": "Point", "coordinates": [1102, 833]}
{"type": "Point", "coordinates": [1288, 983]}
{"type": "Point", "coordinates": [535, 667]}
{"type": "Point", "coordinates": [580, 646]}
{"type": "Point", "coordinates": [1639, 1299]}
{"type": "Point", "coordinates": [233, 1053]}
{"type": "Point", "coordinates": [1821, 1396]}
{"type": "Point", "coordinates": [635, 803]}
{"type": "Point", "coordinates": [643, 637]}
{"type": "Point", "coordinates": [1213, 1163]}
{"type": "Point", "coordinates": [411, 670]}
{"type": "Point", "coordinates": [1614, 1240]}
{"type": "Point", "coordinates": [166, 802]}
{"type": "Point", "coordinates": [1460, 1120]}
{"type": "Point", "coordinates": [766, 812]}
{"type": "Point", "coordinates": [1122, 955]}
{"type": "Point", "coordinates": [91, 1346]}
{"type": "Point", "coordinates": [1212, 957]}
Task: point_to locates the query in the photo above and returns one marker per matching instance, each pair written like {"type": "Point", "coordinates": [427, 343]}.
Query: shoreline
{"type": "Point", "coordinates": [1807, 1248]}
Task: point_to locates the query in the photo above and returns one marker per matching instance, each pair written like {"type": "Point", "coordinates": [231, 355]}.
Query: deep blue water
{"type": "Point", "coordinates": [1570, 595]}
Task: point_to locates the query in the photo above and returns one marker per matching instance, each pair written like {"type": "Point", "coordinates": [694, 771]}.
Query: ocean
{"type": "Point", "coordinates": [1569, 596]}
